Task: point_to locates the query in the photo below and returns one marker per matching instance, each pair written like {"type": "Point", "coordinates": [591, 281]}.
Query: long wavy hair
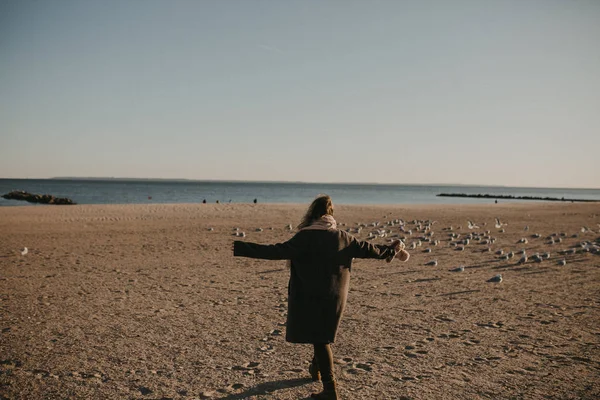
{"type": "Point", "coordinates": [320, 206]}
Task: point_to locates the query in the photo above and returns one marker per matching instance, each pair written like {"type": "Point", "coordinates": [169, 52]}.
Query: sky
{"type": "Point", "coordinates": [457, 92]}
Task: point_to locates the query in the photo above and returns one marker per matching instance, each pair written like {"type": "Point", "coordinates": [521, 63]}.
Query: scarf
{"type": "Point", "coordinates": [325, 223]}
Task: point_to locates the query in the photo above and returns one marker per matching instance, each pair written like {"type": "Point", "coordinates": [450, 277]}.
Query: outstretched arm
{"type": "Point", "coordinates": [279, 251]}
{"type": "Point", "coordinates": [363, 249]}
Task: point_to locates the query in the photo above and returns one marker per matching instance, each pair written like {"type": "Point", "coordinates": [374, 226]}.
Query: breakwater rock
{"type": "Point", "coordinates": [37, 198]}
{"type": "Point", "coordinates": [510, 197]}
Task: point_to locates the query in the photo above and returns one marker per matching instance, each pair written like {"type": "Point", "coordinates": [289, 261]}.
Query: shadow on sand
{"type": "Point", "coordinates": [268, 388]}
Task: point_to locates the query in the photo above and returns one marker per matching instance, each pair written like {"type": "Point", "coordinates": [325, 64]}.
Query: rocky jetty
{"type": "Point", "coordinates": [37, 198]}
{"type": "Point", "coordinates": [510, 197]}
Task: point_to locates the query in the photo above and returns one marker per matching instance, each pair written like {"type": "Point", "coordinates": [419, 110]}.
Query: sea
{"type": "Point", "coordinates": [116, 191]}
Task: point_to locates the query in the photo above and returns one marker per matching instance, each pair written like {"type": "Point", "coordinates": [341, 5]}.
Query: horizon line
{"type": "Point", "coordinates": [133, 179]}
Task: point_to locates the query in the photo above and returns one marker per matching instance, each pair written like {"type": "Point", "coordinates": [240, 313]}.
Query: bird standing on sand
{"type": "Point", "coordinates": [24, 251]}
{"type": "Point", "coordinates": [432, 263]}
{"type": "Point", "coordinates": [496, 279]}
{"type": "Point", "coordinates": [523, 259]}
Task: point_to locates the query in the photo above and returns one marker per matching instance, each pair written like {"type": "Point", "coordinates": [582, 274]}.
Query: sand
{"type": "Point", "coordinates": [144, 301]}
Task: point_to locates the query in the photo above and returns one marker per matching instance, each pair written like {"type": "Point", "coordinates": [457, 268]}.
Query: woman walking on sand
{"type": "Point", "coordinates": [321, 258]}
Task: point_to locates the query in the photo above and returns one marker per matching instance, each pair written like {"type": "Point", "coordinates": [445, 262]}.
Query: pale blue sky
{"type": "Point", "coordinates": [467, 91]}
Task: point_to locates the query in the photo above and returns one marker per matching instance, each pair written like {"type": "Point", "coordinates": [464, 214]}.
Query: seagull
{"type": "Point", "coordinates": [289, 227]}
{"type": "Point", "coordinates": [24, 251]}
{"type": "Point", "coordinates": [498, 224]}
{"type": "Point", "coordinates": [211, 229]}
{"type": "Point", "coordinates": [496, 279]}
{"type": "Point", "coordinates": [562, 262]}
{"type": "Point", "coordinates": [458, 269]}
{"type": "Point", "coordinates": [511, 254]}
{"type": "Point", "coordinates": [427, 250]}
{"type": "Point", "coordinates": [526, 227]}
{"type": "Point", "coordinates": [472, 225]}
{"type": "Point", "coordinates": [432, 263]}
{"type": "Point", "coordinates": [522, 240]}
{"type": "Point", "coordinates": [500, 252]}
{"type": "Point", "coordinates": [259, 229]}
{"type": "Point", "coordinates": [460, 248]}
{"type": "Point", "coordinates": [523, 259]}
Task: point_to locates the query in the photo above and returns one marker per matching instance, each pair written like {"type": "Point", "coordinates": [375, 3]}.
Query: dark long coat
{"type": "Point", "coordinates": [319, 278]}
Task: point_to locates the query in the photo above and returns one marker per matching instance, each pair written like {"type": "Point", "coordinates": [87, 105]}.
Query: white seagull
{"type": "Point", "coordinates": [472, 225]}
{"type": "Point", "coordinates": [523, 259]}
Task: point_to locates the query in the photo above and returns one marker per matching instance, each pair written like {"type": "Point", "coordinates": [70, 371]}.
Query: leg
{"type": "Point", "coordinates": [313, 370]}
{"type": "Point", "coordinates": [324, 358]}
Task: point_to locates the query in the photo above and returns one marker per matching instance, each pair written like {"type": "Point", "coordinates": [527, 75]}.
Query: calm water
{"type": "Point", "coordinates": [137, 192]}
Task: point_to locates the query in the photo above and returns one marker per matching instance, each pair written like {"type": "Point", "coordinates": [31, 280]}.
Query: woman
{"type": "Point", "coordinates": [321, 258]}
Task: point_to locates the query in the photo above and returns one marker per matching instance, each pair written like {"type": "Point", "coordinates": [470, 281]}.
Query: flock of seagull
{"type": "Point", "coordinates": [420, 233]}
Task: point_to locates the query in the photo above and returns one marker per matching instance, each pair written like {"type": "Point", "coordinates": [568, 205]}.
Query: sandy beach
{"type": "Point", "coordinates": [147, 302]}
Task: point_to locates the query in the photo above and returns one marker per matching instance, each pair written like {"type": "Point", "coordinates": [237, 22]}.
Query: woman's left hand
{"type": "Point", "coordinates": [400, 253]}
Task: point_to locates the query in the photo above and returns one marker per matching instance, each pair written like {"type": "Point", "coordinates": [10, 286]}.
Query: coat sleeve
{"type": "Point", "coordinates": [279, 251]}
{"type": "Point", "coordinates": [362, 249]}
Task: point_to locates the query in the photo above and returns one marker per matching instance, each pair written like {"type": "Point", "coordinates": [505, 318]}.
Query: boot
{"type": "Point", "coordinates": [329, 392]}
{"type": "Point", "coordinates": [313, 370]}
